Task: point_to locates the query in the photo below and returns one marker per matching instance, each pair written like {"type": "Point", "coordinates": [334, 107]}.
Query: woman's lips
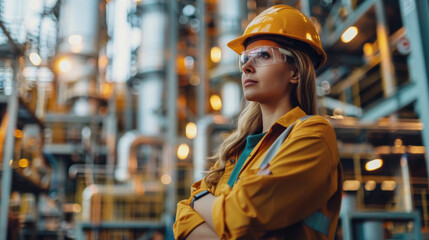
{"type": "Point", "coordinates": [249, 82]}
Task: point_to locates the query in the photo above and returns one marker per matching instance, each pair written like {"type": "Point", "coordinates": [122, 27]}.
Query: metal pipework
{"type": "Point", "coordinates": [78, 44]}
{"type": "Point", "coordinates": [76, 169]}
{"type": "Point", "coordinates": [205, 126]}
{"type": "Point", "coordinates": [127, 157]}
{"type": "Point", "coordinates": [229, 21]}
{"type": "Point", "coordinates": [151, 67]}
{"type": "Point", "coordinates": [129, 189]}
{"type": "Point", "coordinates": [387, 68]}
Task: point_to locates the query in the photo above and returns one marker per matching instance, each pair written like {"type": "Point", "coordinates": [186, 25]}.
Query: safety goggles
{"type": "Point", "coordinates": [264, 55]}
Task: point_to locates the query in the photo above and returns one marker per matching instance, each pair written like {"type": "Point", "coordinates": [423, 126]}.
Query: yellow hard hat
{"type": "Point", "coordinates": [284, 21]}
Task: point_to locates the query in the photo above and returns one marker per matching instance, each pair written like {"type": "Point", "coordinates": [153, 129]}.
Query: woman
{"type": "Point", "coordinates": [254, 192]}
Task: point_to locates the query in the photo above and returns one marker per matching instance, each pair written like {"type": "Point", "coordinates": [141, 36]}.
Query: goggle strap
{"type": "Point", "coordinates": [285, 52]}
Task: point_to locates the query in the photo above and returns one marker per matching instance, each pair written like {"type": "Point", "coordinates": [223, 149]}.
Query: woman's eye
{"type": "Point", "coordinates": [264, 55]}
{"type": "Point", "coordinates": [244, 59]}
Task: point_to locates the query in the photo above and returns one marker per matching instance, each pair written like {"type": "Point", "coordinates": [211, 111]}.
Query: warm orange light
{"type": "Point", "coordinates": [370, 185]}
{"type": "Point", "coordinates": [191, 130]}
{"type": "Point", "coordinates": [18, 133]}
{"type": "Point", "coordinates": [215, 102]}
{"type": "Point", "coordinates": [388, 185]}
{"type": "Point", "coordinates": [165, 179]}
{"type": "Point", "coordinates": [351, 185]}
{"type": "Point", "coordinates": [23, 163]}
{"type": "Point", "coordinates": [35, 59]}
{"type": "Point", "coordinates": [368, 49]}
{"type": "Point", "coordinates": [215, 54]}
{"type": "Point", "coordinates": [183, 151]}
{"type": "Point", "coordinates": [349, 34]}
{"type": "Point", "coordinates": [103, 61]}
{"type": "Point", "coordinates": [64, 65]}
{"type": "Point", "coordinates": [374, 164]}
{"type": "Point", "coordinates": [107, 90]}
{"type": "Point", "coordinates": [76, 208]}
{"type": "Point", "coordinates": [194, 80]}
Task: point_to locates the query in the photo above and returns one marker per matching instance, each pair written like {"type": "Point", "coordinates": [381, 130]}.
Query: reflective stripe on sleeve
{"type": "Point", "coordinates": [318, 222]}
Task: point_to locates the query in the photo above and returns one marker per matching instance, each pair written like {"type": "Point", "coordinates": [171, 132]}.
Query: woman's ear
{"type": "Point", "coordinates": [294, 78]}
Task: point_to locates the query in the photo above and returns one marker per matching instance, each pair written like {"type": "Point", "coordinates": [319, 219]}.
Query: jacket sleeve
{"type": "Point", "coordinates": [187, 219]}
{"type": "Point", "coordinates": [303, 178]}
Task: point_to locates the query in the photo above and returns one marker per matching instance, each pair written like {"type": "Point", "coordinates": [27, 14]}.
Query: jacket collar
{"type": "Point", "coordinates": [291, 116]}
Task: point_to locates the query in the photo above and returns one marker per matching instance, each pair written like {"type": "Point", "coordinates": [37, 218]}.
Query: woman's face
{"type": "Point", "coordinates": [267, 84]}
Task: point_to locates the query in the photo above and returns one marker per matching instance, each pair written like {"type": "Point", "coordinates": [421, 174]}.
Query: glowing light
{"type": "Point", "coordinates": [103, 61]}
{"type": "Point", "coordinates": [388, 185]}
{"type": "Point", "coordinates": [215, 54]}
{"type": "Point", "coordinates": [35, 59]}
{"type": "Point", "coordinates": [215, 102]}
{"type": "Point", "coordinates": [398, 142]}
{"type": "Point", "coordinates": [64, 65]}
{"type": "Point", "coordinates": [191, 130]}
{"type": "Point", "coordinates": [351, 185]}
{"type": "Point", "coordinates": [76, 43]}
{"type": "Point", "coordinates": [183, 151]}
{"type": "Point", "coordinates": [308, 36]}
{"type": "Point", "coordinates": [76, 208]}
{"type": "Point", "coordinates": [374, 164]}
{"type": "Point", "coordinates": [75, 39]}
{"type": "Point", "coordinates": [349, 34]}
{"type": "Point", "coordinates": [107, 90]}
{"type": "Point", "coordinates": [370, 185]}
{"type": "Point", "coordinates": [194, 80]}
{"type": "Point", "coordinates": [23, 163]}
{"type": "Point", "coordinates": [165, 179]}
{"type": "Point", "coordinates": [368, 49]}
{"type": "Point", "coordinates": [18, 133]}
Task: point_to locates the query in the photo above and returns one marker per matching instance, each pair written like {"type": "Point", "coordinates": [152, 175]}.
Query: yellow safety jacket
{"type": "Point", "coordinates": [300, 200]}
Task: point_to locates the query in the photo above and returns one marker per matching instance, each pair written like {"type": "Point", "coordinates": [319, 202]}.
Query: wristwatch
{"type": "Point", "coordinates": [198, 196]}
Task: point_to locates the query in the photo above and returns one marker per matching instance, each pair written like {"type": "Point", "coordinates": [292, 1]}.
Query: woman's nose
{"type": "Point", "coordinates": [248, 67]}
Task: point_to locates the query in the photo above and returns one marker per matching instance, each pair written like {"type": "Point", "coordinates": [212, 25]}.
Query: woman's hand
{"type": "Point", "coordinates": [203, 231]}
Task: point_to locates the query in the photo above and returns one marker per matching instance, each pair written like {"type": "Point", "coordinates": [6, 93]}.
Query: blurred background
{"type": "Point", "coordinates": [109, 108]}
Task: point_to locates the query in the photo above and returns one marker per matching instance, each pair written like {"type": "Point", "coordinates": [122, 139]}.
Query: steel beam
{"type": "Point", "coordinates": [8, 147]}
{"type": "Point", "coordinates": [202, 59]}
{"type": "Point", "coordinates": [387, 106]}
{"type": "Point", "coordinates": [387, 68]}
{"type": "Point", "coordinates": [170, 162]}
{"type": "Point", "coordinates": [417, 62]}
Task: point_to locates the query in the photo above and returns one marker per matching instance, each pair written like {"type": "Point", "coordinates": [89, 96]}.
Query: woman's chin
{"type": "Point", "coordinates": [251, 98]}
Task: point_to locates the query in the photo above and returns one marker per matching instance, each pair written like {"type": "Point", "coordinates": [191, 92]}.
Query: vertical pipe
{"type": "Point", "coordinates": [419, 74]}
{"type": "Point", "coordinates": [11, 114]}
{"type": "Point", "coordinates": [149, 120]}
{"type": "Point", "coordinates": [111, 131]}
{"type": "Point", "coordinates": [387, 68]}
{"type": "Point", "coordinates": [172, 89]}
{"type": "Point", "coordinates": [121, 43]}
{"type": "Point", "coordinates": [150, 66]}
{"type": "Point", "coordinates": [406, 185]}
{"type": "Point", "coordinates": [202, 53]}
{"type": "Point", "coordinates": [305, 7]}
{"type": "Point", "coordinates": [229, 22]}
{"type": "Point", "coordinates": [231, 97]}
{"type": "Point", "coordinates": [425, 209]}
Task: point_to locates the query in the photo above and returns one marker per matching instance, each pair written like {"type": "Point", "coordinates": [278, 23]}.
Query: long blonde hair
{"type": "Point", "coordinates": [250, 118]}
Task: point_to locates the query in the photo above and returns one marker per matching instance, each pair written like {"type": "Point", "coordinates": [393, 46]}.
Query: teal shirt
{"type": "Point", "coordinates": [251, 142]}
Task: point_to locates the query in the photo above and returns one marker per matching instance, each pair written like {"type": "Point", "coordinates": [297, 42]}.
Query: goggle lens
{"type": "Point", "coordinates": [263, 56]}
